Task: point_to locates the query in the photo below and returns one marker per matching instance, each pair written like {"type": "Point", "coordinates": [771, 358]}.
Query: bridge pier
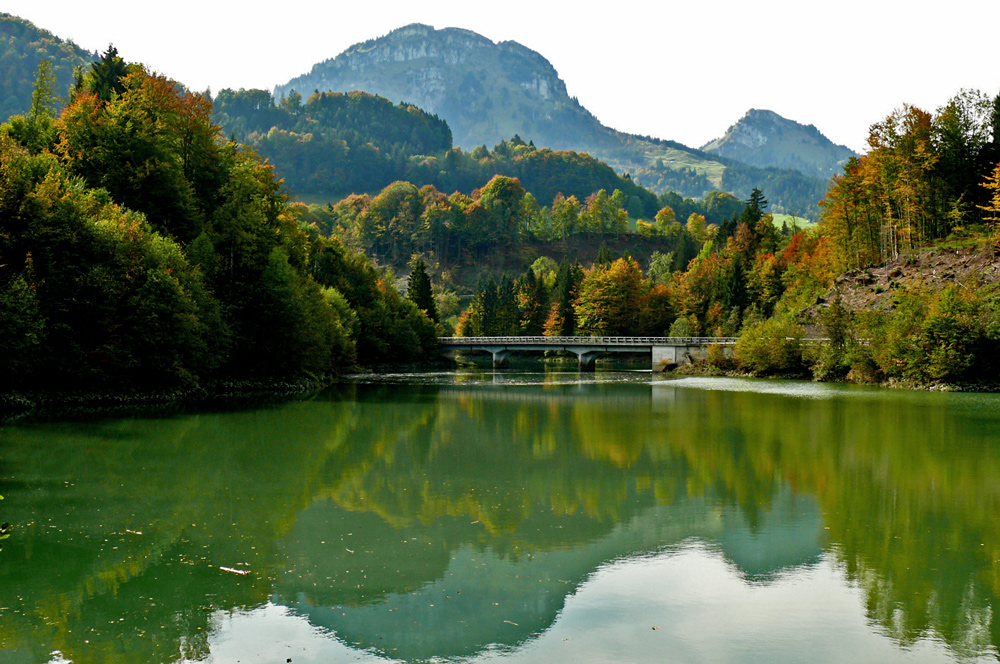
{"type": "Point", "coordinates": [500, 358]}
{"type": "Point", "coordinates": [588, 360]}
{"type": "Point", "coordinates": [664, 357]}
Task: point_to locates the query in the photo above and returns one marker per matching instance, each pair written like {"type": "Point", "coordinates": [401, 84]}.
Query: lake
{"type": "Point", "coordinates": [511, 517]}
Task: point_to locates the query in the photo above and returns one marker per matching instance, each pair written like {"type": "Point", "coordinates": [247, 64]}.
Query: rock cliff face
{"type": "Point", "coordinates": [764, 138]}
{"type": "Point", "coordinates": [486, 91]}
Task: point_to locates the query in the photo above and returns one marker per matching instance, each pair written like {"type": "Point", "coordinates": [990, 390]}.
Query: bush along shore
{"type": "Point", "coordinates": [944, 339]}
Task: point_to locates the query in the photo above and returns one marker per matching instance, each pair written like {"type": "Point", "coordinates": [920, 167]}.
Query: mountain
{"type": "Point", "coordinates": [22, 47]}
{"type": "Point", "coordinates": [488, 92]}
{"type": "Point", "coordinates": [765, 139]}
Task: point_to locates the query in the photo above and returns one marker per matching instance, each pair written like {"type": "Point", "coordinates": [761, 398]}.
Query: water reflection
{"type": "Point", "coordinates": [471, 518]}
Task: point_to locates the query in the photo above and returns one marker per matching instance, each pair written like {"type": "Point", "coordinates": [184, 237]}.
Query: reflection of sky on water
{"type": "Point", "coordinates": [480, 597]}
{"type": "Point", "coordinates": [685, 604]}
{"type": "Point", "coordinates": [712, 590]}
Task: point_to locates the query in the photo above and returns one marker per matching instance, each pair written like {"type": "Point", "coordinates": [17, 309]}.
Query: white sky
{"type": "Point", "coordinates": [677, 70]}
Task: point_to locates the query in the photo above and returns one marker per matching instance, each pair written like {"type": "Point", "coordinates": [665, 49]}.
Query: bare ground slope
{"type": "Point", "coordinates": [875, 288]}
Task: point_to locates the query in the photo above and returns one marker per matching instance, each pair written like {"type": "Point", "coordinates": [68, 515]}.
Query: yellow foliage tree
{"type": "Point", "coordinates": [992, 184]}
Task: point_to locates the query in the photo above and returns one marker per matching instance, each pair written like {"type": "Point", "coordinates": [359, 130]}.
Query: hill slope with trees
{"type": "Point", "coordinates": [139, 249]}
{"type": "Point", "coordinates": [900, 280]}
{"type": "Point", "coordinates": [22, 47]}
{"type": "Point", "coordinates": [335, 144]}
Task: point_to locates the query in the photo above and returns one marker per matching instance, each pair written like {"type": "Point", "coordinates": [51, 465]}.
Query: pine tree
{"type": "Point", "coordinates": [418, 289]}
{"type": "Point", "coordinates": [107, 74]}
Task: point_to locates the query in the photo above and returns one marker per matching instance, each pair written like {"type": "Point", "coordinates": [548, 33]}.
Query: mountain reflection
{"type": "Point", "coordinates": [436, 521]}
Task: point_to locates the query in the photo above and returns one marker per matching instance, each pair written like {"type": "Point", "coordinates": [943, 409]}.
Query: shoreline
{"type": "Point", "coordinates": [982, 387]}
{"type": "Point", "coordinates": [20, 405]}
{"type": "Point", "coordinates": [16, 406]}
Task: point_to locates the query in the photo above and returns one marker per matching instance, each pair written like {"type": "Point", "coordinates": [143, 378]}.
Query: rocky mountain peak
{"type": "Point", "coordinates": [764, 138]}
{"type": "Point", "coordinates": [486, 91]}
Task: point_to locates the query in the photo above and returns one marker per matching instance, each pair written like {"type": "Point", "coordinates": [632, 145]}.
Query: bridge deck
{"type": "Point", "coordinates": [586, 341]}
{"type": "Point", "coordinates": [664, 351]}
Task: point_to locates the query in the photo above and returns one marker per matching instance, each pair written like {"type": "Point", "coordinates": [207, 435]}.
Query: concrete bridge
{"type": "Point", "coordinates": [664, 351]}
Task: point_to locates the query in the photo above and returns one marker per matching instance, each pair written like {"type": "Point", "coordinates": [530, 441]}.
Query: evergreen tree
{"type": "Point", "coordinates": [418, 289]}
{"type": "Point", "coordinates": [755, 207]}
{"type": "Point", "coordinates": [108, 73]}
{"type": "Point", "coordinates": [562, 317]}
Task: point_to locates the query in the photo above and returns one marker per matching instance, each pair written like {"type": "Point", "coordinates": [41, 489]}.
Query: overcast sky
{"type": "Point", "coordinates": [678, 70]}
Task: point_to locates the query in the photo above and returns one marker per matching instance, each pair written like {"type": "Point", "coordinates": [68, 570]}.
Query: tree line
{"type": "Point", "coordinates": [488, 229]}
{"type": "Point", "coordinates": [925, 176]}
{"type": "Point", "coordinates": [336, 144]}
{"type": "Point", "coordinates": [714, 293]}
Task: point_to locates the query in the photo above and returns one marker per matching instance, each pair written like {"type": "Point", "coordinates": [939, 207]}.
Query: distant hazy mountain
{"type": "Point", "coordinates": [764, 138]}
{"type": "Point", "coordinates": [22, 47]}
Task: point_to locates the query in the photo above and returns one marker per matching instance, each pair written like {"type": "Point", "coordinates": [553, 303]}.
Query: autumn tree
{"type": "Point", "coordinates": [608, 303]}
{"type": "Point", "coordinates": [561, 321]}
{"type": "Point", "coordinates": [992, 207]}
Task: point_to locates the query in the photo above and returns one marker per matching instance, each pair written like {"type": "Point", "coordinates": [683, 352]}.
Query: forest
{"type": "Point", "coordinates": [335, 144]}
{"type": "Point", "coordinates": [23, 47]}
{"type": "Point", "coordinates": [930, 182]}
{"type": "Point", "coordinates": [141, 249]}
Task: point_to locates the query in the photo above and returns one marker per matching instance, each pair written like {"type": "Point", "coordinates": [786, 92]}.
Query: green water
{"type": "Point", "coordinates": [511, 518]}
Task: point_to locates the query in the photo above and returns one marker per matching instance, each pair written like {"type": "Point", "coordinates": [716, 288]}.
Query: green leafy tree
{"type": "Point", "coordinates": [771, 347]}
{"type": "Point", "coordinates": [661, 267]}
{"type": "Point", "coordinates": [43, 97]}
{"type": "Point", "coordinates": [565, 215]}
{"type": "Point", "coordinates": [502, 204]}
{"type": "Point", "coordinates": [35, 131]}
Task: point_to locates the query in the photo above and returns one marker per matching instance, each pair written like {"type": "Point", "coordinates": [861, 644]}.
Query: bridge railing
{"type": "Point", "coordinates": [588, 341]}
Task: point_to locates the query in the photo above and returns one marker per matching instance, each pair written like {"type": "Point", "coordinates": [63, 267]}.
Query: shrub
{"type": "Point", "coordinates": [770, 347]}
{"type": "Point", "coordinates": [681, 328]}
{"type": "Point", "coordinates": [718, 357]}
